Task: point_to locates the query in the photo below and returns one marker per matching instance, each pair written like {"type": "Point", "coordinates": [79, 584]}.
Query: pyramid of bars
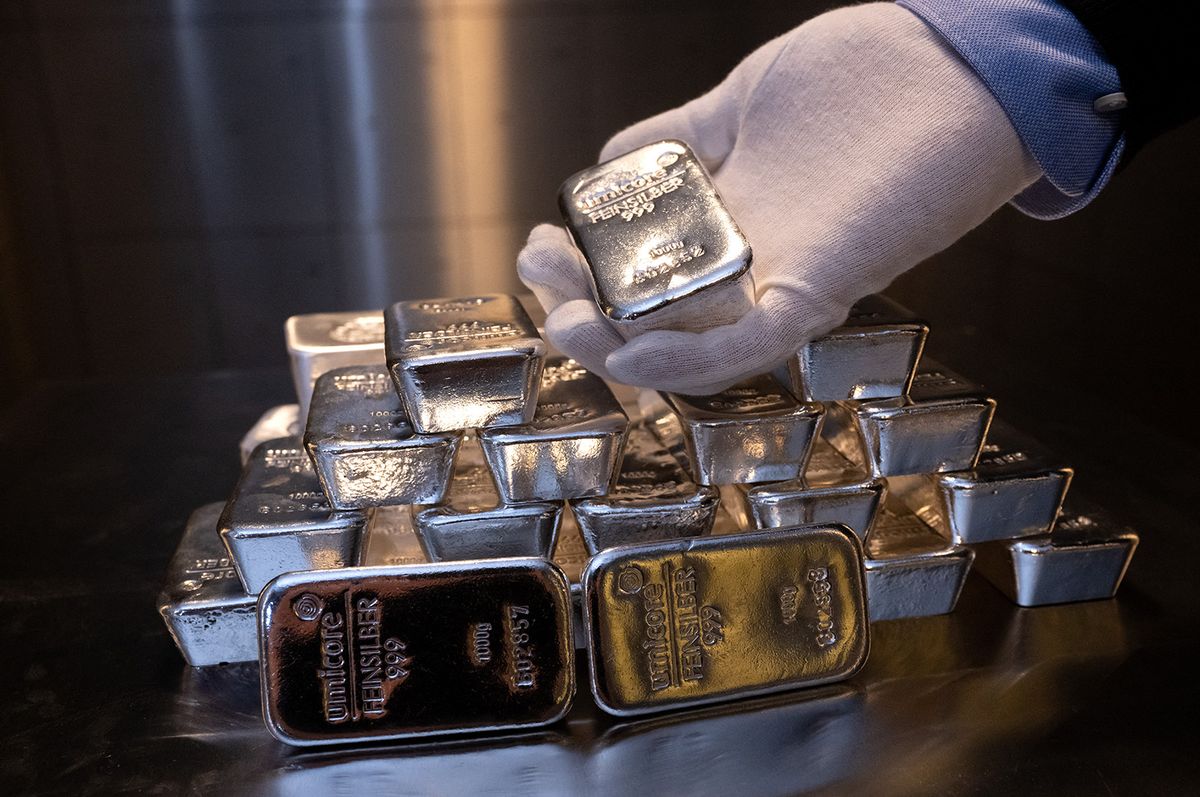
{"type": "Point", "coordinates": [417, 439]}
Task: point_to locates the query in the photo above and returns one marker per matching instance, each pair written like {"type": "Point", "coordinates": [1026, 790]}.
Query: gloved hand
{"type": "Point", "coordinates": [848, 150]}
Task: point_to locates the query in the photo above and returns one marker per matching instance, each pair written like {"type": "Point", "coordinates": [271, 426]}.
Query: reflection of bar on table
{"type": "Point", "coordinates": [755, 431]}
{"type": "Point", "coordinates": [464, 363]}
{"type": "Point", "coordinates": [1015, 490]}
{"type": "Point", "coordinates": [872, 355]}
{"type": "Point", "coordinates": [365, 450]}
{"type": "Point", "coordinates": [911, 570]}
{"type": "Point", "coordinates": [940, 426]}
{"type": "Point", "coordinates": [571, 447]}
{"type": "Point", "coordinates": [278, 519]}
{"type": "Point", "coordinates": [1084, 558]}
{"type": "Point", "coordinates": [209, 615]}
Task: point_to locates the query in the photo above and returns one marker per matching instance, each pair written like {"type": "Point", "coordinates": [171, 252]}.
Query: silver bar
{"type": "Point", "coordinates": [940, 426]}
{"type": "Point", "coordinates": [364, 448]}
{"type": "Point", "coordinates": [464, 363]}
{"type": "Point", "coordinates": [1015, 490]}
{"type": "Point", "coordinates": [872, 355]}
{"type": "Point", "coordinates": [652, 499]}
{"type": "Point", "coordinates": [391, 538]}
{"type": "Point", "coordinates": [473, 524]}
{"type": "Point", "coordinates": [1083, 559]}
{"type": "Point", "coordinates": [832, 490]}
{"type": "Point", "coordinates": [569, 450]}
{"type": "Point", "coordinates": [911, 570]}
{"type": "Point", "coordinates": [209, 615]}
{"type": "Point", "coordinates": [278, 519]}
{"type": "Point", "coordinates": [663, 250]}
{"type": "Point", "coordinates": [755, 431]}
{"type": "Point", "coordinates": [281, 421]}
{"type": "Point", "coordinates": [378, 653]}
{"type": "Point", "coordinates": [318, 342]}
{"type": "Point", "coordinates": [692, 621]}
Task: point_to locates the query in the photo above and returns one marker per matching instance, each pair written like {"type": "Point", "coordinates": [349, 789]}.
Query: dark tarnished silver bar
{"type": "Point", "coordinates": [392, 538]}
{"type": "Point", "coordinates": [755, 431]}
{"type": "Point", "coordinates": [572, 446]}
{"type": "Point", "coordinates": [364, 448]}
{"type": "Point", "coordinates": [473, 524]}
{"type": "Point", "coordinates": [693, 621]}
{"type": "Point", "coordinates": [1083, 559]}
{"type": "Point", "coordinates": [663, 250]}
{"type": "Point", "coordinates": [832, 490]}
{"type": "Point", "coordinates": [209, 615]}
{"type": "Point", "coordinates": [653, 499]}
{"type": "Point", "coordinates": [911, 570]}
{"type": "Point", "coordinates": [873, 354]}
{"type": "Point", "coordinates": [278, 519]}
{"type": "Point", "coordinates": [464, 363]}
{"type": "Point", "coordinates": [281, 421]}
{"type": "Point", "coordinates": [319, 342]}
{"type": "Point", "coordinates": [394, 652]}
{"type": "Point", "coordinates": [1015, 490]}
{"type": "Point", "coordinates": [940, 426]}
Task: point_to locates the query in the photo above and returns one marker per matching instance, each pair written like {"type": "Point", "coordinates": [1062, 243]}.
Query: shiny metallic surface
{"type": "Point", "coordinates": [209, 615]}
{"type": "Point", "coordinates": [832, 490]}
{"type": "Point", "coordinates": [872, 355]}
{"type": "Point", "coordinates": [911, 571]}
{"type": "Point", "coordinates": [395, 652]}
{"type": "Point", "coordinates": [663, 250]}
{"type": "Point", "coordinates": [464, 363]}
{"type": "Point", "coordinates": [652, 499]}
{"type": "Point", "coordinates": [364, 448]}
{"type": "Point", "coordinates": [281, 421]}
{"type": "Point", "coordinates": [940, 426]}
{"type": "Point", "coordinates": [1084, 558]}
{"type": "Point", "coordinates": [278, 519]}
{"type": "Point", "coordinates": [755, 431]}
{"type": "Point", "coordinates": [474, 524]}
{"type": "Point", "coordinates": [571, 448]}
{"type": "Point", "coordinates": [1015, 490]}
{"type": "Point", "coordinates": [392, 538]}
{"type": "Point", "coordinates": [694, 621]}
{"type": "Point", "coordinates": [319, 342]}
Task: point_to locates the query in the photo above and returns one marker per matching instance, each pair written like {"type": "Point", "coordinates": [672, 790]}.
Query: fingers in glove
{"type": "Point", "coordinates": [578, 329]}
{"type": "Point", "coordinates": [708, 362]}
{"type": "Point", "coordinates": [553, 268]}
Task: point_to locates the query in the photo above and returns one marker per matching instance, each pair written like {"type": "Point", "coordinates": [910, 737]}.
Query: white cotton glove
{"type": "Point", "coordinates": [848, 150]}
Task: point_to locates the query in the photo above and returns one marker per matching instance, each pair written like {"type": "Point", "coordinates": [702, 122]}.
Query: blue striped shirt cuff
{"type": "Point", "coordinates": [1046, 71]}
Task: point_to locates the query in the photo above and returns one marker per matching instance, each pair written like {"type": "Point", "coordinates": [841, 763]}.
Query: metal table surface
{"type": "Point", "coordinates": [99, 478]}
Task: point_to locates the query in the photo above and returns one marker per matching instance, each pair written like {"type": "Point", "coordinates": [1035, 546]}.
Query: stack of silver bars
{"type": "Point", "coordinates": [420, 544]}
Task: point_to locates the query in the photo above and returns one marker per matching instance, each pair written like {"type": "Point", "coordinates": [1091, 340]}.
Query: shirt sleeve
{"type": "Point", "coordinates": [1047, 72]}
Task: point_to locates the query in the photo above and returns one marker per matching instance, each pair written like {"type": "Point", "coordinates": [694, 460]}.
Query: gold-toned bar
{"type": "Point", "coordinates": [872, 355]}
{"type": "Point", "coordinates": [911, 570]}
{"type": "Point", "coordinates": [208, 614]}
{"type": "Point", "coordinates": [474, 524]}
{"type": "Point", "coordinates": [278, 519]}
{"type": "Point", "coordinates": [377, 653]}
{"type": "Point", "coordinates": [281, 421]}
{"type": "Point", "coordinates": [1084, 558]}
{"type": "Point", "coordinates": [364, 448]}
{"type": "Point", "coordinates": [653, 499]}
{"type": "Point", "coordinates": [319, 342]}
{"type": "Point", "coordinates": [464, 363]}
{"type": "Point", "coordinates": [832, 490]}
{"type": "Point", "coordinates": [940, 426]}
{"type": "Point", "coordinates": [693, 621]}
{"type": "Point", "coordinates": [570, 449]}
{"type": "Point", "coordinates": [1015, 490]}
{"type": "Point", "coordinates": [755, 431]}
{"type": "Point", "coordinates": [663, 250]}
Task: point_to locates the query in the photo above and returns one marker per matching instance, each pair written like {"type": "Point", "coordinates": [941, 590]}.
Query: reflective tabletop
{"type": "Point", "coordinates": [100, 477]}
